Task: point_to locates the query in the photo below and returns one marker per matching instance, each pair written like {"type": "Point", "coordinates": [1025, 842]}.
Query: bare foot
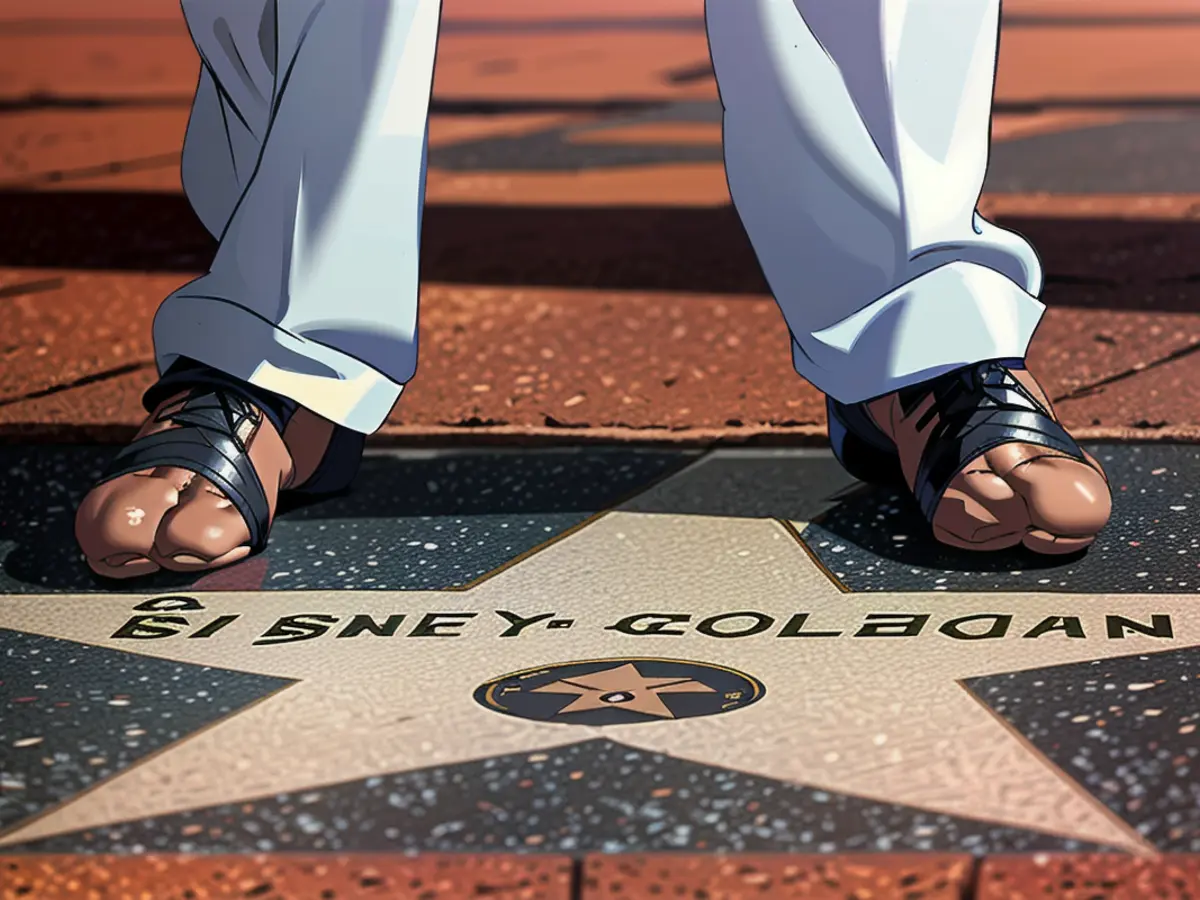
{"type": "Point", "coordinates": [172, 518]}
{"type": "Point", "coordinates": [1014, 494]}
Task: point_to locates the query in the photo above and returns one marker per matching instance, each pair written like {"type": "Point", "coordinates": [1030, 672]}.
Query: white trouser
{"type": "Point", "coordinates": [305, 155]}
{"type": "Point", "coordinates": [856, 141]}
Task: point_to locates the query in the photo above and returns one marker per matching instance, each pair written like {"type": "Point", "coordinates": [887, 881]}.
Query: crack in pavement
{"type": "Point", "coordinates": [94, 378]}
{"type": "Point", "coordinates": [24, 288]}
{"type": "Point", "coordinates": [467, 106]}
{"type": "Point", "coordinates": [174, 27]}
{"type": "Point", "coordinates": [598, 23]}
{"type": "Point", "coordinates": [1088, 389]}
{"type": "Point", "coordinates": [116, 167]}
{"type": "Point", "coordinates": [38, 101]}
{"type": "Point", "coordinates": [459, 106]}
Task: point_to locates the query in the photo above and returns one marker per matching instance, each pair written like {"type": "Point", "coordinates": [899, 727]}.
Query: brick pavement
{"type": "Point", "coordinates": [454, 877]}
{"type": "Point", "coordinates": [670, 335]}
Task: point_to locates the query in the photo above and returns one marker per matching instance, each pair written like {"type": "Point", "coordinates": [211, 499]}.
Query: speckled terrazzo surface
{"type": "Point", "coordinates": [427, 519]}
{"type": "Point", "coordinates": [72, 714]}
{"type": "Point", "coordinates": [430, 522]}
{"type": "Point", "coordinates": [1127, 729]}
{"type": "Point", "coordinates": [596, 796]}
{"type": "Point", "coordinates": [876, 540]}
{"type": "Point", "coordinates": [411, 522]}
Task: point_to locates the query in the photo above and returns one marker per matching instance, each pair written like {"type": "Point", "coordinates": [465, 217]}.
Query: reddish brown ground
{"type": "Point", "coordinates": [855, 877]}
{"type": "Point", "coordinates": [617, 302]}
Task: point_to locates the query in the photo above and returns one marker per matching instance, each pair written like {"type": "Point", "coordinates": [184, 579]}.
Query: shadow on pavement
{"type": "Point", "coordinates": [691, 250]}
{"type": "Point", "coordinates": [408, 523]}
{"type": "Point", "coordinates": [445, 521]}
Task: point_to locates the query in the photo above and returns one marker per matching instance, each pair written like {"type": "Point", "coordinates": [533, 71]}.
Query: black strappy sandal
{"type": "Point", "coordinates": [978, 408]}
{"type": "Point", "coordinates": [215, 418]}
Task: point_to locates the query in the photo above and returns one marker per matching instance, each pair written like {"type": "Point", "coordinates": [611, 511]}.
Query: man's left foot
{"type": "Point", "coordinates": [985, 457]}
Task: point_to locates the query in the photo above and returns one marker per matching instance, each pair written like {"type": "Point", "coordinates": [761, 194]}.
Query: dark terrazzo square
{"type": "Point", "coordinates": [877, 540]}
{"type": "Point", "coordinates": [73, 714]}
{"type": "Point", "coordinates": [778, 484]}
{"type": "Point", "coordinates": [408, 523]}
{"type": "Point", "coordinates": [1149, 154]}
{"type": "Point", "coordinates": [426, 554]}
{"type": "Point", "coordinates": [1127, 729]}
{"type": "Point", "coordinates": [596, 796]}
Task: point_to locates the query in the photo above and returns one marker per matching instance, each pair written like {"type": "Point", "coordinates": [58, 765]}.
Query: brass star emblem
{"type": "Point", "coordinates": [624, 687]}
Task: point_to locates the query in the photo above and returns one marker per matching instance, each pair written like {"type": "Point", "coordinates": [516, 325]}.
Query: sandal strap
{"type": "Point", "coordinates": [978, 408]}
{"type": "Point", "coordinates": [214, 425]}
{"type": "Point", "coordinates": [342, 457]}
{"type": "Point", "coordinates": [185, 374]}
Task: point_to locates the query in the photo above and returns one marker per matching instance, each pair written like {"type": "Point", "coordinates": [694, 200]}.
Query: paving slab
{"type": "Point", "coordinates": [48, 148]}
{"type": "Point", "coordinates": [610, 359]}
{"type": "Point", "coordinates": [1148, 398]}
{"type": "Point", "coordinates": [286, 877]}
{"type": "Point", "coordinates": [928, 877]}
{"type": "Point", "coordinates": [129, 61]}
{"type": "Point", "coordinates": [379, 817]}
{"type": "Point", "coordinates": [726, 565]}
{"type": "Point", "coordinates": [462, 518]}
{"type": "Point", "coordinates": [84, 13]}
{"type": "Point", "coordinates": [509, 158]}
{"type": "Point", "coordinates": [126, 148]}
{"type": "Point", "coordinates": [1139, 155]}
{"type": "Point", "coordinates": [477, 720]}
{"type": "Point", "coordinates": [874, 540]}
{"type": "Point", "coordinates": [76, 715]}
{"type": "Point", "coordinates": [1095, 877]}
{"type": "Point", "coordinates": [131, 64]}
{"type": "Point", "coordinates": [649, 362]}
{"type": "Point", "coordinates": [1123, 724]}
{"type": "Point", "coordinates": [64, 327]}
{"type": "Point", "coordinates": [1048, 64]}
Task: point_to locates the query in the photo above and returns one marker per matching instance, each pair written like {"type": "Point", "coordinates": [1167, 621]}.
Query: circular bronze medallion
{"type": "Point", "coordinates": [620, 691]}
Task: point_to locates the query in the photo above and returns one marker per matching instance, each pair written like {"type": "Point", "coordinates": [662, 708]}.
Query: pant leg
{"type": "Point", "coordinates": [856, 142]}
{"type": "Point", "coordinates": [231, 109]}
{"type": "Point", "coordinates": [312, 293]}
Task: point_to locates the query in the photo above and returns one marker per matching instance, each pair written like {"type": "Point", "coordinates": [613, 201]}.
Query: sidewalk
{"type": "Point", "coordinates": [588, 283]}
{"type": "Point", "coordinates": [577, 207]}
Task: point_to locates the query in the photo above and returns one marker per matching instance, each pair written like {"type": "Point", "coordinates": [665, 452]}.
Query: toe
{"type": "Point", "coordinates": [123, 566]}
{"type": "Point", "coordinates": [960, 516]}
{"type": "Point", "coordinates": [1020, 495]}
{"type": "Point", "coordinates": [1066, 498]}
{"type": "Point", "coordinates": [980, 511]}
{"type": "Point", "coordinates": [117, 521]}
{"type": "Point", "coordinates": [205, 530]}
{"type": "Point", "coordinates": [1050, 545]}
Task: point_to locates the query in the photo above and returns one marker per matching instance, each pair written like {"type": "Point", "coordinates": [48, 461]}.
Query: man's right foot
{"type": "Point", "coordinates": [989, 464]}
{"type": "Point", "coordinates": [170, 517]}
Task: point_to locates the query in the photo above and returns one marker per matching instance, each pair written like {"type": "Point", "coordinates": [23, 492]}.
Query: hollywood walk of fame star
{"type": "Point", "coordinates": [880, 718]}
{"type": "Point", "coordinates": [622, 686]}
